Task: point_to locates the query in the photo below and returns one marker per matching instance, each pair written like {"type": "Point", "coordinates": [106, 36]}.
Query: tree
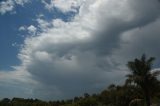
{"type": "Point", "coordinates": [143, 77]}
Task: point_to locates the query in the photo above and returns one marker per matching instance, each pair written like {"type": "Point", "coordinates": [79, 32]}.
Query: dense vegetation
{"type": "Point", "coordinates": [140, 89]}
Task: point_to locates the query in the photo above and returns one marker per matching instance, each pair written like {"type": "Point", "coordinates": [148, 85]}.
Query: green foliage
{"type": "Point", "coordinates": [143, 77]}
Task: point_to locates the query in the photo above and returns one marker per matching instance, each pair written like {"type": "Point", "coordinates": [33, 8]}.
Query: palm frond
{"type": "Point", "coordinates": [150, 61]}
{"type": "Point", "coordinates": [143, 58]}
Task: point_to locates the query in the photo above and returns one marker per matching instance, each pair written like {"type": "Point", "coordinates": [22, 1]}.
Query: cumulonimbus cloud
{"type": "Point", "coordinates": [84, 54]}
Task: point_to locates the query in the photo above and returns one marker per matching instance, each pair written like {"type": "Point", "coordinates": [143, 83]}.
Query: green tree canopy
{"type": "Point", "coordinates": [143, 76]}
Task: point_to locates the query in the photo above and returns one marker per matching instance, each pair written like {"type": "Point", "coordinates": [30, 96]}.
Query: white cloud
{"type": "Point", "coordinates": [9, 5]}
{"type": "Point", "coordinates": [21, 2]}
{"type": "Point", "coordinates": [83, 55]}
{"type": "Point", "coordinates": [22, 28]}
{"type": "Point", "coordinates": [63, 5]}
{"type": "Point", "coordinates": [43, 24]}
{"type": "Point", "coordinates": [6, 6]}
{"type": "Point", "coordinates": [32, 29]}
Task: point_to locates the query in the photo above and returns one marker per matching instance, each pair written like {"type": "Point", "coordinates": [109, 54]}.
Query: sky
{"type": "Point", "coordinates": [58, 49]}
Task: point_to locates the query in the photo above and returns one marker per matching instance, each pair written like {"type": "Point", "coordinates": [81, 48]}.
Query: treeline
{"type": "Point", "coordinates": [142, 88]}
{"type": "Point", "coordinates": [112, 96]}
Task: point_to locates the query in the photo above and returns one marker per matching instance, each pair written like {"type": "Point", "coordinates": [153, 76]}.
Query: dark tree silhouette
{"type": "Point", "coordinates": [143, 77]}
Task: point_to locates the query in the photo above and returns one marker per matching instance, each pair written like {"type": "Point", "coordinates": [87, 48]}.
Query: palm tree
{"type": "Point", "coordinates": [143, 77]}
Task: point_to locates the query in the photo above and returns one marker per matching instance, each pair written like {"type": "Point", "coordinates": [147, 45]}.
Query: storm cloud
{"type": "Point", "coordinates": [89, 52]}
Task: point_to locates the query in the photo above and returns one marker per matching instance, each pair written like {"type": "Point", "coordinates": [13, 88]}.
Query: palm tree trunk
{"type": "Point", "coordinates": [148, 101]}
{"type": "Point", "coordinates": [147, 98]}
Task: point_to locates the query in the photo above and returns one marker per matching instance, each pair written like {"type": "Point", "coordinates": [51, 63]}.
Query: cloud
{"type": "Point", "coordinates": [43, 25]}
{"type": "Point", "coordinates": [6, 6]}
{"type": "Point", "coordinates": [32, 29]}
{"type": "Point", "coordinates": [140, 40]}
{"type": "Point", "coordinates": [9, 5]}
{"type": "Point", "coordinates": [86, 54]}
{"type": "Point", "coordinates": [22, 28]}
{"type": "Point", "coordinates": [21, 2]}
{"type": "Point", "coordinates": [63, 5]}
{"type": "Point", "coordinates": [16, 84]}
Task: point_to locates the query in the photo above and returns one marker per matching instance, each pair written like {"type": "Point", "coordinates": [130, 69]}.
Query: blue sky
{"type": "Point", "coordinates": [10, 23]}
{"type": "Point", "coordinates": [58, 49]}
